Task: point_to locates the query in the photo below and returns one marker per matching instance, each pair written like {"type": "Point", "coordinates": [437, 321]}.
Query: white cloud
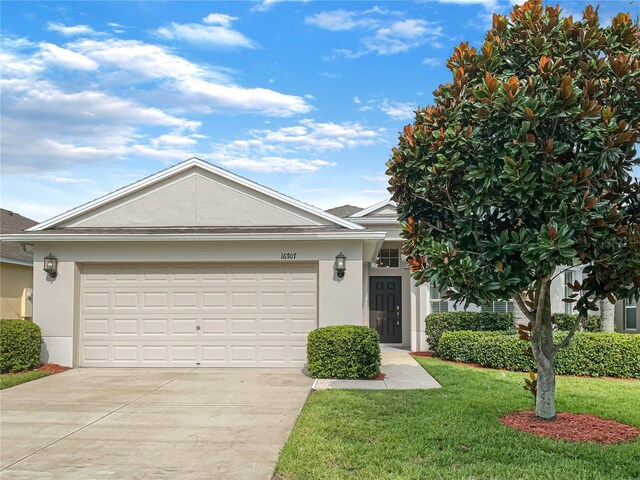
{"type": "Point", "coordinates": [15, 66]}
{"type": "Point", "coordinates": [216, 34]}
{"type": "Point", "coordinates": [275, 164]}
{"type": "Point", "coordinates": [431, 62]}
{"type": "Point", "coordinates": [219, 19]}
{"type": "Point", "coordinates": [264, 5]}
{"type": "Point", "coordinates": [62, 57]}
{"type": "Point", "coordinates": [386, 33]}
{"type": "Point", "coordinates": [330, 75]}
{"type": "Point", "coordinates": [45, 128]}
{"type": "Point", "coordinates": [187, 84]}
{"type": "Point", "coordinates": [339, 20]}
{"type": "Point", "coordinates": [398, 110]}
{"type": "Point", "coordinates": [295, 148]}
{"type": "Point", "coordinates": [357, 100]}
{"type": "Point", "coordinates": [70, 31]}
{"type": "Point", "coordinates": [401, 36]}
{"type": "Point", "coordinates": [175, 140]}
{"type": "Point", "coordinates": [62, 180]}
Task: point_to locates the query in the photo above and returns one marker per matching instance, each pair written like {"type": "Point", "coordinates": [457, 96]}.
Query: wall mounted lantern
{"type": "Point", "coordinates": [340, 265]}
{"type": "Point", "coordinates": [51, 265]}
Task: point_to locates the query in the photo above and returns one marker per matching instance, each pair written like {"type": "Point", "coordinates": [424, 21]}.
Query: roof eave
{"type": "Point", "coordinates": [15, 261]}
{"type": "Point", "coordinates": [191, 237]}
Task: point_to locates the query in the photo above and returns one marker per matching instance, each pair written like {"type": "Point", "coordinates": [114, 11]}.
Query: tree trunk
{"type": "Point", "coordinates": [519, 318]}
{"type": "Point", "coordinates": [543, 350]}
{"type": "Point", "coordinates": [607, 316]}
{"type": "Point", "coordinates": [546, 391]}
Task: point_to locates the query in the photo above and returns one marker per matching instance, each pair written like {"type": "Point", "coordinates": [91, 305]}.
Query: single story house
{"type": "Point", "coordinates": [197, 266]}
{"type": "Point", "coordinates": [16, 268]}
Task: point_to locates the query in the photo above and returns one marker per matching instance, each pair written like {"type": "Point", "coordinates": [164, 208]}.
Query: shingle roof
{"type": "Point", "coordinates": [343, 211]}
{"type": "Point", "coordinates": [11, 222]}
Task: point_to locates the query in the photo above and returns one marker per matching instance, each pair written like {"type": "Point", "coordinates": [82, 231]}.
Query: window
{"type": "Point", "coordinates": [437, 303]}
{"type": "Point", "coordinates": [568, 278]}
{"type": "Point", "coordinates": [388, 258]}
{"type": "Point", "coordinates": [498, 307]}
{"type": "Point", "coordinates": [630, 319]}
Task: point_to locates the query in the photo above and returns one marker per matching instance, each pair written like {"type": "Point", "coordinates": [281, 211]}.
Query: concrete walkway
{"type": "Point", "coordinates": [401, 371]}
{"type": "Point", "coordinates": [160, 424]}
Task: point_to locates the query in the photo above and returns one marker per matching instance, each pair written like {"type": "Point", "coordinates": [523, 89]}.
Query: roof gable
{"type": "Point", "coordinates": [194, 193]}
{"type": "Point", "coordinates": [386, 208]}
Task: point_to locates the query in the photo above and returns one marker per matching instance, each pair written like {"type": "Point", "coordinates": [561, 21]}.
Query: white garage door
{"type": "Point", "coordinates": [207, 315]}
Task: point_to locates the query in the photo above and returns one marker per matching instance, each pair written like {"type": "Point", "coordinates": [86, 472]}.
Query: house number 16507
{"type": "Point", "coordinates": [287, 256]}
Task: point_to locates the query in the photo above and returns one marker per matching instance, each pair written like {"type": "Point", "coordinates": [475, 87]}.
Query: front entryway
{"type": "Point", "coordinates": [385, 308]}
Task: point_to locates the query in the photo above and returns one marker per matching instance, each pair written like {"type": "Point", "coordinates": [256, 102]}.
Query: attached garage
{"type": "Point", "coordinates": [194, 267]}
{"type": "Point", "coordinates": [196, 315]}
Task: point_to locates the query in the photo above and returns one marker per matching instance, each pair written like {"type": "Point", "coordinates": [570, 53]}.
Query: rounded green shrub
{"type": "Point", "coordinates": [601, 354]}
{"type": "Point", "coordinates": [565, 321]}
{"type": "Point", "coordinates": [589, 353]}
{"type": "Point", "coordinates": [438, 323]}
{"type": "Point", "coordinates": [343, 351]}
{"type": "Point", "coordinates": [20, 342]}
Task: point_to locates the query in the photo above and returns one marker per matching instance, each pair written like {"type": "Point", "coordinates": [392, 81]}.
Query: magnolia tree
{"type": "Point", "coordinates": [523, 166]}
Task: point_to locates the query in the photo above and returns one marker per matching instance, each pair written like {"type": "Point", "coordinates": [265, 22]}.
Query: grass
{"type": "Point", "coordinates": [8, 380]}
{"type": "Point", "coordinates": [455, 432]}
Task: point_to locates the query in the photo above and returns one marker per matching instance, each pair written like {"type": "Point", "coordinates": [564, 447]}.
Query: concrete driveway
{"type": "Point", "coordinates": [149, 423]}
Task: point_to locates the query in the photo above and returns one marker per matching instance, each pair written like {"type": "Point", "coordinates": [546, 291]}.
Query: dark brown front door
{"type": "Point", "coordinates": [385, 308]}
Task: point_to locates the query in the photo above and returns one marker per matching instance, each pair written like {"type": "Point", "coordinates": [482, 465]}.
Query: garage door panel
{"type": "Point", "coordinates": [208, 315]}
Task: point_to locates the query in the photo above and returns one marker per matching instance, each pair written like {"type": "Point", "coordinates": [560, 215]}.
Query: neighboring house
{"type": "Point", "coordinates": [16, 268]}
{"type": "Point", "coordinates": [197, 266]}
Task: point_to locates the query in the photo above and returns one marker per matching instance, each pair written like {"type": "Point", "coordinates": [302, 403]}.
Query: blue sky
{"type": "Point", "coordinates": [304, 97]}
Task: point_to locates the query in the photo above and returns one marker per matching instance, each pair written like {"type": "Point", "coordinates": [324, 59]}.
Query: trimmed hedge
{"type": "Point", "coordinates": [20, 342]}
{"type": "Point", "coordinates": [592, 354]}
{"type": "Point", "coordinates": [565, 321]}
{"type": "Point", "coordinates": [343, 351]}
{"type": "Point", "coordinates": [438, 323]}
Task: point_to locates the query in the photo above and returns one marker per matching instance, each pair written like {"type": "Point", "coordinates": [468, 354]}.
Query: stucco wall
{"type": "Point", "coordinates": [13, 280]}
{"type": "Point", "coordinates": [196, 198]}
{"type": "Point", "coordinates": [55, 301]}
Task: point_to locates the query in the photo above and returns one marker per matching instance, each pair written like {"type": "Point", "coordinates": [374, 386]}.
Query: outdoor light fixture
{"type": "Point", "coordinates": [340, 265]}
{"type": "Point", "coordinates": [51, 265]}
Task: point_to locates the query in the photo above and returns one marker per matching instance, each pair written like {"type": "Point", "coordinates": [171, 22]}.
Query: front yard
{"type": "Point", "coordinates": [12, 379]}
{"type": "Point", "coordinates": [455, 432]}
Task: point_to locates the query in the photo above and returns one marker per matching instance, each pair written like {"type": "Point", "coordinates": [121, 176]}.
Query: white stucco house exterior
{"type": "Point", "coordinates": [197, 266]}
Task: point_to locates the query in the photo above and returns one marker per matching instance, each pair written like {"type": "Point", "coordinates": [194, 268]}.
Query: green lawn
{"type": "Point", "coordinates": [455, 432]}
{"type": "Point", "coordinates": [13, 379]}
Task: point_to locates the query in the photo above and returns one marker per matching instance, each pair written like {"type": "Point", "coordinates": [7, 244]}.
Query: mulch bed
{"type": "Point", "coordinates": [573, 427]}
{"type": "Point", "coordinates": [380, 376]}
{"type": "Point", "coordinates": [421, 354]}
{"type": "Point", "coordinates": [47, 367]}
{"type": "Point", "coordinates": [52, 368]}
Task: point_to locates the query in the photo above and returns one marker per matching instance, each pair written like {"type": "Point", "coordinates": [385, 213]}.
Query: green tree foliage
{"type": "Point", "coordinates": [524, 164]}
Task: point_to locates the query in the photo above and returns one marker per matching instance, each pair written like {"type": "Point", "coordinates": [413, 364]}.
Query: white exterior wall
{"type": "Point", "coordinates": [195, 198]}
{"type": "Point", "coordinates": [419, 309]}
{"type": "Point", "coordinates": [55, 303]}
